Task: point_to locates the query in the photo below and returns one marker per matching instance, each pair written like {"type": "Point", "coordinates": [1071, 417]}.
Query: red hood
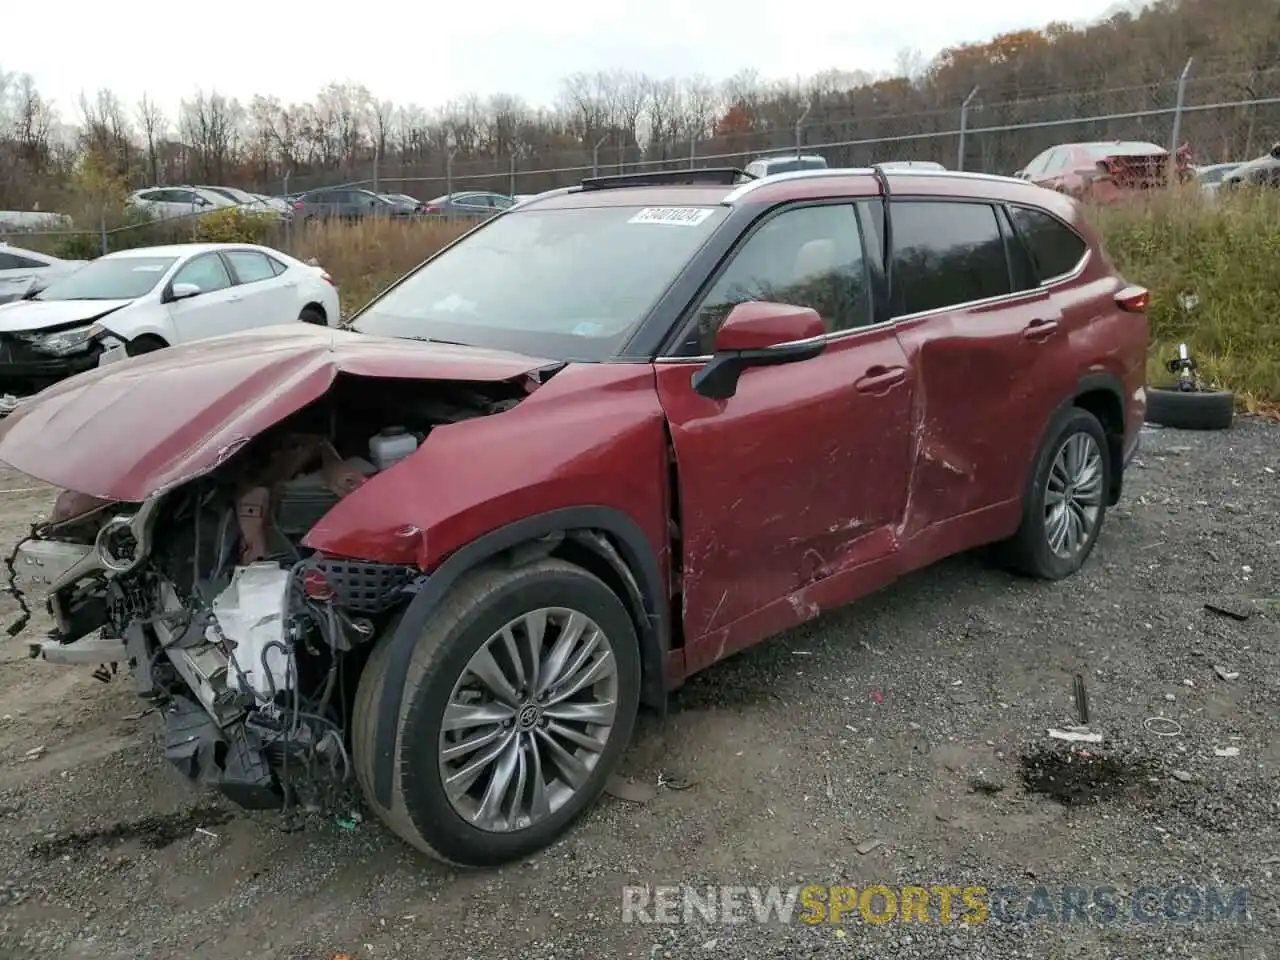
{"type": "Point", "coordinates": [130, 429]}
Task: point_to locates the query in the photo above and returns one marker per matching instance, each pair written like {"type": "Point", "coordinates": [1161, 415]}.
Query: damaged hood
{"type": "Point", "coordinates": [128, 430]}
{"type": "Point", "coordinates": [22, 316]}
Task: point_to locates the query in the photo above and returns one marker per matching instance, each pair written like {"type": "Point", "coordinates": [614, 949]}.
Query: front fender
{"type": "Point", "coordinates": [137, 320]}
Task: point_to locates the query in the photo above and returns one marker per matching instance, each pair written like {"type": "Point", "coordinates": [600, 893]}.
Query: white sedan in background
{"type": "Point", "coordinates": [166, 203]}
{"type": "Point", "coordinates": [22, 271]}
{"type": "Point", "coordinates": [136, 301]}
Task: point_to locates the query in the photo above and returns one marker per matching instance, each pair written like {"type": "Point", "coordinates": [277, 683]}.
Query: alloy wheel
{"type": "Point", "coordinates": [528, 719]}
{"type": "Point", "coordinates": [1073, 495]}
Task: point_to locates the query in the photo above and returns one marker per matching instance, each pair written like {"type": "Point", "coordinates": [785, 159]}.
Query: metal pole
{"type": "Point", "coordinates": [693, 150]}
{"type": "Point", "coordinates": [513, 173]}
{"type": "Point", "coordinates": [448, 173]}
{"type": "Point", "coordinates": [375, 167]}
{"type": "Point", "coordinates": [1177, 119]}
{"type": "Point", "coordinates": [102, 226]}
{"type": "Point", "coordinates": [595, 156]}
{"type": "Point", "coordinates": [964, 126]}
{"type": "Point", "coordinates": [800, 127]}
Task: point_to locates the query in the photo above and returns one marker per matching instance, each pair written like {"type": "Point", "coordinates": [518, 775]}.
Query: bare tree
{"type": "Point", "coordinates": [153, 124]}
{"type": "Point", "coordinates": [209, 124]}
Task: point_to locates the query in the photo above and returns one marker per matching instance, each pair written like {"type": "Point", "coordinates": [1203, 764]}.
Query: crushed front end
{"type": "Point", "coordinates": [248, 644]}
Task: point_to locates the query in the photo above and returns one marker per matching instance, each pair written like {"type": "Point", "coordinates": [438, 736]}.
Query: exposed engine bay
{"type": "Point", "coordinates": [248, 644]}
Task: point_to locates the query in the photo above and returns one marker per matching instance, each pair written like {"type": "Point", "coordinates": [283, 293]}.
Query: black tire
{"type": "Point", "coordinates": [1028, 551]}
{"type": "Point", "coordinates": [147, 343]}
{"type": "Point", "coordinates": [1191, 410]}
{"type": "Point", "coordinates": [312, 315]}
{"type": "Point", "coordinates": [479, 605]}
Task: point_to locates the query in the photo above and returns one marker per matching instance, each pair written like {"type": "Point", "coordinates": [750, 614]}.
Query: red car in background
{"type": "Point", "coordinates": [1107, 170]}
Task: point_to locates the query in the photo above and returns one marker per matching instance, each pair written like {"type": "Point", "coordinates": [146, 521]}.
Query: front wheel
{"type": "Point", "coordinates": [1065, 504]}
{"type": "Point", "coordinates": [519, 702]}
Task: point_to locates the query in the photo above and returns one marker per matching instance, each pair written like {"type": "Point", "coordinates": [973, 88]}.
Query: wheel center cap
{"type": "Point", "coordinates": [528, 716]}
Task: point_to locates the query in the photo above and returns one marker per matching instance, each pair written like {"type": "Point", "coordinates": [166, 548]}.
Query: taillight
{"type": "Point", "coordinates": [327, 279]}
{"type": "Point", "coordinates": [430, 209]}
{"type": "Point", "coordinates": [1133, 299]}
{"type": "Point", "coordinates": [298, 205]}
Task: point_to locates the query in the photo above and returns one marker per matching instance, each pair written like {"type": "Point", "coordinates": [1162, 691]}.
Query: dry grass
{"type": "Point", "coordinates": [365, 257]}
{"type": "Point", "coordinates": [1226, 254]}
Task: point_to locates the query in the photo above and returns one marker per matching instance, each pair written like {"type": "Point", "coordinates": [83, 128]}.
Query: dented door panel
{"type": "Point", "coordinates": [796, 480]}
{"type": "Point", "coordinates": [988, 377]}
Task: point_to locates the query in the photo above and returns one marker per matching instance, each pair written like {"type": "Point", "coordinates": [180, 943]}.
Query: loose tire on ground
{"type": "Point", "coordinates": [1029, 551]}
{"type": "Point", "coordinates": [479, 606]}
{"type": "Point", "coordinates": [1191, 410]}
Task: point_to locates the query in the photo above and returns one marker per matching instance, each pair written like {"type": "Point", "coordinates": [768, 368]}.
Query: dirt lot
{"type": "Point", "coordinates": [908, 720]}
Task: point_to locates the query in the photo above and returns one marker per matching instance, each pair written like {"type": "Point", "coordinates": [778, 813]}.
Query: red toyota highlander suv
{"type": "Point", "coordinates": [601, 442]}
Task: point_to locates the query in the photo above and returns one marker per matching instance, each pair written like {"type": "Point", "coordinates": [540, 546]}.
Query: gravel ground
{"type": "Point", "coordinates": [908, 719]}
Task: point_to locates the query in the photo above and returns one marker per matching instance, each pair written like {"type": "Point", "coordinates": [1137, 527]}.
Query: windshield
{"type": "Point", "coordinates": [566, 284]}
{"type": "Point", "coordinates": [124, 278]}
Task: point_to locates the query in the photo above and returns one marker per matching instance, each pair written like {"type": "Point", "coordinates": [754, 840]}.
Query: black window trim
{"type": "Point", "coordinates": [681, 329]}
{"type": "Point", "coordinates": [1057, 278]}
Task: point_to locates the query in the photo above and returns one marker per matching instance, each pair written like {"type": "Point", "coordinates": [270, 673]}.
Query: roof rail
{"type": "Point", "coordinates": [745, 188]}
{"type": "Point", "coordinates": [707, 176]}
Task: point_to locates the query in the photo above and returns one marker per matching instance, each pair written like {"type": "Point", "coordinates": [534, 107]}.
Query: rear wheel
{"type": "Point", "coordinates": [312, 315]}
{"type": "Point", "coordinates": [1065, 503]}
{"type": "Point", "coordinates": [519, 701]}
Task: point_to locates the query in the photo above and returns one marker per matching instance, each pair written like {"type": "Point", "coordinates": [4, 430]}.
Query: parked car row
{"type": "Point", "coordinates": [354, 203]}
{"type": "Point", "coordinates": [166, 203]}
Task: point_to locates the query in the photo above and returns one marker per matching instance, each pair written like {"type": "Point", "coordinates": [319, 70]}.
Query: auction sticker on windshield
{"type": "Point", "coordinates": [679, 216]}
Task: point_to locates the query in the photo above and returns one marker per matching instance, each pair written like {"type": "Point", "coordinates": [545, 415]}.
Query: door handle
{"type": "Point", "coordinates": [235, 299]}
{"type": "Point", "coordinates": [879, 378]}
{"type": "Point", "coordinates": [1039, 329]}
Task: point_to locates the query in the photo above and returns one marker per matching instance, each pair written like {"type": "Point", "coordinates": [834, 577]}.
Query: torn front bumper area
{"type": "Point", "coordinates": [25, 369]}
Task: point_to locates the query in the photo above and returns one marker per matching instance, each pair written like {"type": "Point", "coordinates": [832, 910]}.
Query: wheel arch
{"type": "Point", "coordinates": [1102, 394]}
{"type": "Point", "coordinates": [602, 540]}
{"type": "Point", "coordinates": [317, 307]}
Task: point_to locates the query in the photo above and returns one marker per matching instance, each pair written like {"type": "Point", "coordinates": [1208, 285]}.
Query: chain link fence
{"type": "Point", "coordinates": [1222, 116]}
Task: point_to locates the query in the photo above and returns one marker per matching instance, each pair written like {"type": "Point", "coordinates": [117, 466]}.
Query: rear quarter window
{"type": "Point", "coordinates": [1055, 248]}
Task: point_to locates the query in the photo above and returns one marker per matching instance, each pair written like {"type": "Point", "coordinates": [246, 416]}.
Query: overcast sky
{"type": "Point", "coordinates": [428, 54]}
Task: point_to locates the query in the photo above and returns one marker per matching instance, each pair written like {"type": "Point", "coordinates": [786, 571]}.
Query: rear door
{"type": "Point", "coordinates": [216, 310]}
{"type": "Point", "coordinates": [266, 297]}
{"type": "Point", "coordinates": [790, 491]}
{"type": "Point", "coordinates": [989, 349]}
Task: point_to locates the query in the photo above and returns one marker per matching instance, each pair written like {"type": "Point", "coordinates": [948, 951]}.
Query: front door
{"type": "Point", "coordinates": [215, 310]}
{"type": "Point", "coordinates": [790, 491]}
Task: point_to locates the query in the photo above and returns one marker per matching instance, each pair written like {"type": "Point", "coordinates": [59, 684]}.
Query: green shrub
{"type": "Point", "coordinates": [1226, 255]}
{"type": "Point", "coordinates": [234, 225]}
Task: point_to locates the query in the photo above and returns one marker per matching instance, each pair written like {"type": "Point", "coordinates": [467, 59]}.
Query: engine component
{"type": "Point", "coordinates": [201, 664]}
{"type": "Point", "coordinates": [391, 445]}
{"type": "Point", "coordinates": [251, 615]}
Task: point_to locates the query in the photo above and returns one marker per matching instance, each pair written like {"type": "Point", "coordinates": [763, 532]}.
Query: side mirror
{"type": "Point", "coordinates": [758, 334]}
{"type": "Point", "coordinates": [184, 291]}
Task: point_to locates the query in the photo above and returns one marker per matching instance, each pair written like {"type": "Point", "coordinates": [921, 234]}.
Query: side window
{"type": "Point", "coordinates": [946, 254]}
{"type": "Point", "coordinates": [151, 195]}
{"type": "Point", "coordinates": [250, 267]}
{"type": "Point", "coordinates": [206, 272]}
{"type": "Point", "coordinates": [11, 261]}
{"type": "Point", "coordinates": [1055, 248]}
{"type": "Point", "coordinates": [807, 257]}
{"type": "Point", "coordinates": [277, 267]}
